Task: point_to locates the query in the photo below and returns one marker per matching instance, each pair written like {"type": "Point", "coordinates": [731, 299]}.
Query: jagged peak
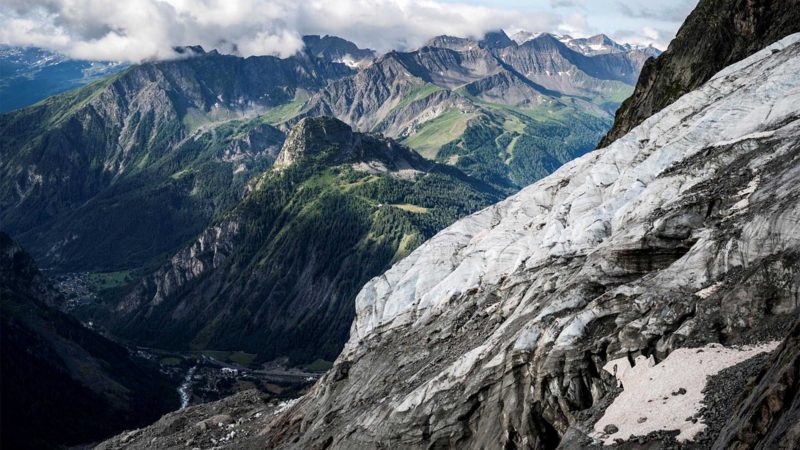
{"type": "Point", "coordinates": [451, 42]}
{"type": "Point", "coordinates": [313, 136]}
{"type": "Point", "coordinates": [330, 141]}
{"type": "Point", "coordinates": [496, 39]}
{"type": "Point", "coordinates": [337, 49]}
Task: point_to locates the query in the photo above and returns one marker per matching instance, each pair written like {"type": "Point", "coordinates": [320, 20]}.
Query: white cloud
{"type": "Point", "coordinates": [645, 36]}
{"type": "Point", "coordinates": [576, 25]}
{"type": "Point", "coordinates": [134, 30]}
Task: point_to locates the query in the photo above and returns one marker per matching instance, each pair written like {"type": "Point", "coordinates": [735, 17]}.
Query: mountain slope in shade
{"type": "Point", "coordinates": [512, 327]}
{"type": "Point", "coordinates": [716, 34]}
{"type": "Point", "coordinates": [277, 274]}
{"type": "Point", "coordinates": [64, 384]}
{"type": "Point", "coordinates": [173, 138]}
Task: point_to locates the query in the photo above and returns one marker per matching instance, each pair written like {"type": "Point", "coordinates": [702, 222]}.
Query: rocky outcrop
{"type": "Point", "coordinates": [716, 34]}
{"type": "Point", "coordinates": [209, 425]}
{"type": "Point", "coordinates": [336, 49]}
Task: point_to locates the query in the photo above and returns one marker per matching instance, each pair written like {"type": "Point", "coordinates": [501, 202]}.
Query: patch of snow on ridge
{"type": "Point", "coordinates": [659, 397]}
{"type": "Point", "coordinates": [285, 405]}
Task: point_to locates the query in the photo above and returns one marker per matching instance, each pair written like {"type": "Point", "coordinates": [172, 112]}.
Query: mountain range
{"type": "Point", "coordinates": [28, 75]}
{"type": "Point", "coordinates": [187, 133]}
{"type": "Point", "coordinates": [153, 171]}
{"type": "Point", "coordinates": [643, 295]}
{"type": "Point", "coordinates": [433, 221]}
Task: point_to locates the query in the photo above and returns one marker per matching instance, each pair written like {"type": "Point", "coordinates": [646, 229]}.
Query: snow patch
{"type": "Point", "coordinates": [284, 405]}
{"type": "Point", "coordinates": [662, 396]}
{"type": "Point", "coordinates": [708, 291]}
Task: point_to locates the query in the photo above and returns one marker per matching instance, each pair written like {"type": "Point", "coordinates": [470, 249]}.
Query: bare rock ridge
{"type": "Point", "coordinates": [716, 34]}
{"type": "Point", "coordinates": [513, 327]}
{"type": "Point", "coordinates": [331, 141]}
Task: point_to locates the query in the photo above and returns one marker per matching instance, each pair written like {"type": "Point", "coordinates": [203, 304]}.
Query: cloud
{"type": "Point", "coordinates": [576, 25]}
{"type": "Point", "coordinates": [566, 4]}
{"type": "Point", "coordinates": [658, 38]}
{"type": "Point", "coordinates": [136, 30]}
{"type": "Point", "coordinates": [676, 11]}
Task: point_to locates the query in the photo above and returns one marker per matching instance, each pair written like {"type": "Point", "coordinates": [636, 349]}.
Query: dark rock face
{"type": "Point", "coordinates": [64, 384]}
{"type": "Point", "coordinates": [716, 34]}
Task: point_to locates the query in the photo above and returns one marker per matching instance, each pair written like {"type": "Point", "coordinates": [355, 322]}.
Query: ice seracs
{"type": "Point", "coordinates": [599, 200]}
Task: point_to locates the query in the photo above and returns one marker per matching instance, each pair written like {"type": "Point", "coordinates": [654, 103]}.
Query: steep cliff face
{"type": "Point", "coordinates": [716, 34]}
{"type": "Point", "coordinates": [277, 275]}
{"type": "Point", "coordinates": [64, 384]}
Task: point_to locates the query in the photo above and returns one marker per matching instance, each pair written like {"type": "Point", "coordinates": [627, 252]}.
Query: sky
{"type": "Point", "coordinates": [137, 30]}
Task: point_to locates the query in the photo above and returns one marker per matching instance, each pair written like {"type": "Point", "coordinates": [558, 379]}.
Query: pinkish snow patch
{"type": "Point", "coordinates": [653, 396]}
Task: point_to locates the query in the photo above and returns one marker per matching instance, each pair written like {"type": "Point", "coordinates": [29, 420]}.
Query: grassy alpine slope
{"type": "Point", "coordinates": [278, 273]}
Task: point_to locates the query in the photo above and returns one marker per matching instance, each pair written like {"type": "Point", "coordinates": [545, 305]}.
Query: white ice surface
{"type": "Point", "coordinates": [600, 199]}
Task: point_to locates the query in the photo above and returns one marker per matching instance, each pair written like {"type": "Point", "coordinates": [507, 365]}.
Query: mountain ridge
{"type": "Point", "coordinates": [277, 274]}
{"type": "Point", "coordinates": [692, 59]}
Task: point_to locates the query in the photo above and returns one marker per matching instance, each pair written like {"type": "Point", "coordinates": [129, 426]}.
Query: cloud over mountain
{"type": "Point", "coordinates": [140, 29]}
{"type": "Point", "coordinates": [136, 30]}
